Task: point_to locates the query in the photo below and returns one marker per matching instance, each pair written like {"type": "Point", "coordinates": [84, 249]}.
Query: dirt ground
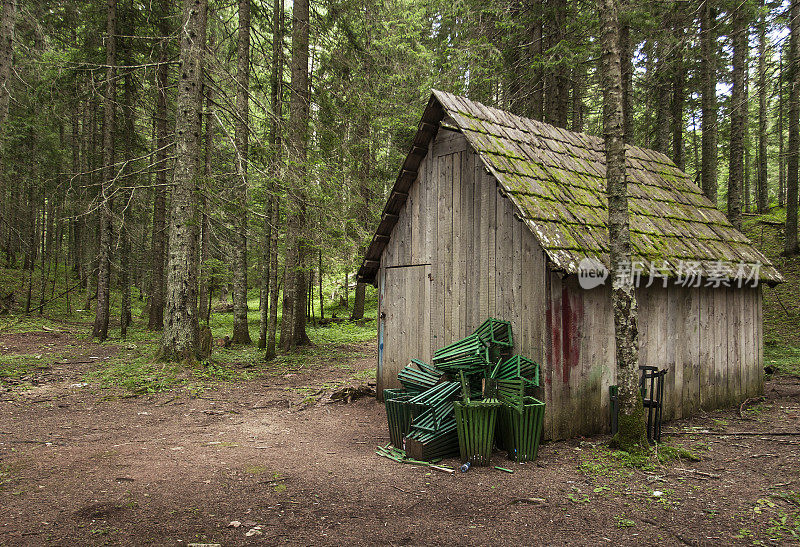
{"type": "Point", "coordinates": [79, 465]}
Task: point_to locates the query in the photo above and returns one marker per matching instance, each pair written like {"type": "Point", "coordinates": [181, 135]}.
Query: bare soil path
{"type": "Point", "coordinates": [78, 466]}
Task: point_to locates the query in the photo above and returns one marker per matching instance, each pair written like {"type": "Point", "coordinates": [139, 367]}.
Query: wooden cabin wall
{"type": "Point", "coordinates": [709, 339]}
{"type": "Point", "coordinates": [457, 256]}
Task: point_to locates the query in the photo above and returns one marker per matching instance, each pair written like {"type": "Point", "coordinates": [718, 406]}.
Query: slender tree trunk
{"type": "Point", "coordinates": [128, 113]}
{"type": "Point", "coordinates": [678, 103]}
{"type": "Point", "coordinates": [7, 20]}
{"type": "Point", "coordinates": [109, 172]}
{"type": "Point", "coordinates": [794, 131]}
{"type": "Point", "coordinates": [241, 333]}
{"type": "Point", "coordinates": [179, 338]}
{"type": "Point", "coordinates": [158, 253]}
{"type": "Point", "coordinates": [708, 69]}
{"type": "Point", "coordinates": [205, 226]}
{"type": "Point", "coordinates": [626, 60]}
{"type": "Point", "coordinates": [781, 152]}
{"type": "Point", "coordinates": [631, 434]}
{"type": "Point", "coordinates": [738, 118]}
{"type": "Point", "coordinates": [321, 300]}
{"type": "Point", "coordinates": [294, 333]}
{"type": "Point", "coordinates": [761, 181]}
{"type": "Point", "coordinates": [276, 101]}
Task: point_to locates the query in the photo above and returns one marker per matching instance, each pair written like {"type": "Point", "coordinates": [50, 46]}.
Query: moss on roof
{"type": "Point", "coordinates": [556, 180]}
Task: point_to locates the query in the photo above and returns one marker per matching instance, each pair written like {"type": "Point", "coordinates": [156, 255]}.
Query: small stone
{"type": "Point", "coordinates": [234, 524]}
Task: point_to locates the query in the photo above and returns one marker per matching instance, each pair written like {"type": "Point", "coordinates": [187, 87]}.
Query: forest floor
{"type": "Point", "coordinates": [86, 458]}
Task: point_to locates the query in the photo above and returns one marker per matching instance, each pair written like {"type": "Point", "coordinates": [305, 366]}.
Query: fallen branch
{"type": "Point", "coordinates": [696, 472]}
{"type": "Point", "coordinates": [737, 433]}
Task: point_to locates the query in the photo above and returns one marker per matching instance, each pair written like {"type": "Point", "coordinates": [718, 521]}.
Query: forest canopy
{"type": "Point", "coordinates": [183, 149]}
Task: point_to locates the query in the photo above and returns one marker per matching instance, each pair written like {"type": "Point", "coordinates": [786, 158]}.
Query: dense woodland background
{"type": "Point", "coordinates": [159, 157]}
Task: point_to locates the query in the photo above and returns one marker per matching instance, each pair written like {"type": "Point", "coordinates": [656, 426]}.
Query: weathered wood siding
{"type": "Point", "coordinates": [709, 339]}
{"type": "Point", "coordinates": [476, 259]}
{"type": "Point", "coordinates": [458, 255]}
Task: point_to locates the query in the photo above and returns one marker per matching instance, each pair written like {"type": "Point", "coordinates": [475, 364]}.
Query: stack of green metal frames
{"type": "Point", "coordinates": [417, 376]}
{"type": "Point", "coordinates": [476, 421]}
{"type": "Point", "coordinates": [427, 445]}
{"type": "Point", "coordinates": [470, 354]}
{"type": "Point", "coordinates": [398, 414]}
{"type": "Point", "coordinates": [521, 432]}
{"type": "Point", "coordinates": [437, 401]}
{"type": "Point", "coordinates": [496, 332]}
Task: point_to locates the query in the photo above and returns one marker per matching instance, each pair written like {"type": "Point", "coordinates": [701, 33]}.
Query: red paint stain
{"type": "Point", "coordinates": [570, 332]}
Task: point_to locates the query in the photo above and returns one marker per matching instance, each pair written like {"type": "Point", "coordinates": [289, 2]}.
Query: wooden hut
{"type": "Point", "coordinates": [491, 216]}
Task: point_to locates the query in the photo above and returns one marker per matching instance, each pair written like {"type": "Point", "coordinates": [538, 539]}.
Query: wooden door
{"type": "Point", "coordinates": [404, 328]}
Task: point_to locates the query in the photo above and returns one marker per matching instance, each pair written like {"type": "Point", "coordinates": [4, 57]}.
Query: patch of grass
{"type": "Point", "coordinates": [139, 376]}
{"type": "Point", "coordinates": [622, 522]}
{"type": "Point", "coordinates": [255, 469]}
{"type": "Point", "coordinates": [784, 359]}
{"type": "Point", "coordinates": [667, 453]}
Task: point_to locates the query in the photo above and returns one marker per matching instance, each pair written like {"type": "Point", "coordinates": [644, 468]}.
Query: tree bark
{"type": "Point", "coordinates": [738, 117]}
{"type": "Point", "coordinates": [626, 60]}
{"type": "Point", "coordinates": [158, 253]}
{"type": "Point", "coordinates": [781, 152]}
{"type": "Point", "coordinates": [761, 180]}
{"type": "Point", "coordinates": [128, 113]}
{"type": "Point", "coordinates": [678, 102]}
{"type": "Point", "coordinates": [180, 335]}
{"type": "Point", "coordinates": [241, 332]}
{"type": "Point", "coordinates": [631, 434]}
{"type": "Point", "coordinates": [293, 333]}
{"type": "Point", "coordinates": [205, 221]}
{"type": "Point", "coordinates": [100, 330]}
{"type": "Point", "coordinates": [276, 101]}
{"type": "Point", "coordinates": [794, 131]}
{"type": "Point", "coordinates": [708, 69]}
{"type": "Point", "coordinates": [7, 21]}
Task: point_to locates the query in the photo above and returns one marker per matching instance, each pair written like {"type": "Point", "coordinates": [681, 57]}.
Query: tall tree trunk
{"type": "Point", "coordinates": [738, 117]}
{"type": "Point", "coordinates": [631, 434]}
{"type": "Point", "coordinates": [626, 67]}
{"type": "Point", "coordinates": [293, 331]}
{"type": "Point", "coordinates": [781, 152]}
{"type": "Point", "coordinates": [241, 333]}
{"type": "Point", "coordinates": [794, 131]}
{"type": "Point", "coordinates": [158, 253]}
{"type": "Point", "coordinates": [761, 180]}
{"type": "Point", "coordinates": [708, 69]}
{"type": "Point", "coordinates": [109, 171]}
{"type": "Point", "coordinates": [205, 220]}
{"type": "Point", "coordinates": [678, 102]}
{"type": "Point", "coordinates": [7, 21]}
{"type": "Point", "coordinates": [276, 102]}
{"type": "Point", "coordinates": [128, 113]}
{"type": "Point", "coordinates": [179, 338]}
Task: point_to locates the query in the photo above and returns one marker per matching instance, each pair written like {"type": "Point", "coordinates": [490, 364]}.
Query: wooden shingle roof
{"type": "Point", "coordinates": [556, 180]}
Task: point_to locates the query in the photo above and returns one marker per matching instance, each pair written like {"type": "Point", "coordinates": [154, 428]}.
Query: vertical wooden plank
{"type": "Point", "coordinates": [446, 234]}
{"type": "Point", "coordinates": [491, 227]}
{"type": "Point", "coordinates": [411, 314]}
{"type": "Point", "coordinates": [518, 325]}
{"type": "Point", "coordinates": [720, 347]}
{"type": "Point", "coordinates": [425, 336]}
{"type": "Point", "coordinates": [485, 193]}
{"type": "Point", "coordinates": [691, 351]}
{"type": "Point", "coordinates": [559, 425]}
{"type": "Point", "coordinates": [444, 194]}
{"type": "Point", "coordinates": [672, 315]}
{"type": "Point", "coordinates": [607, 356]}
{"type": "Point", "coordinates": [759, 337]}
{"type": "Point", "coordinates": [706, 338]}
{"type": "Point", "coordinates": [465, 242]}
{"type": "Point", "coordinates": [417, 195]}
{"type": "Point", "coordinates": [455, 297]}
{"type": "Point", "coordinates": [677, 340]}
{"type": "Point", "coordinates": [431, 230]}
{"type": "Point", "coordinates": [748, 342]}
{"type": "Point", "coordinates": [477, 251]}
